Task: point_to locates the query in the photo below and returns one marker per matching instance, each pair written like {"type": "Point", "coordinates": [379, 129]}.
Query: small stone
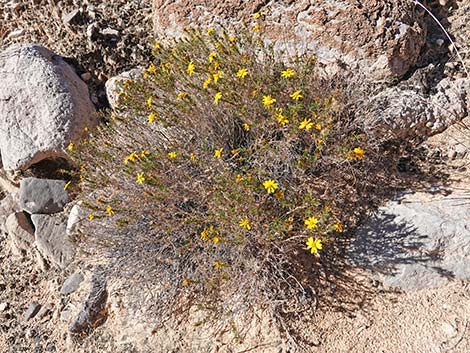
{"type": "Point", "coordinates": [86, 76]}
{"type": "Point", "coordinates": [43, 312]}
{"type": "Point", "coordinates": [110, 32]}
{"type": "Point", "coordinates": [92, 31]}
{"type": "Point", "coordinates": [16, 33]}
{"type": "Point", "coordinates": [71, 284]}
{"type": "Point", "coordinates": [440, 42]}
{"type": "Point", "coordinates": [3, 307]}
{"type": "Point", "coordinates": [71, 18]}
{"type": "Point", "coordinates": [32, 310]}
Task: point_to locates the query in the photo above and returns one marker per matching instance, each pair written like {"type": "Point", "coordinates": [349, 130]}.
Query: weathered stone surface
{"type": "Point", "coordinates": [113, 84]}
{"type": "Point", "coordinates": [52, 241]}
{"type": "Point", "coordinates": [32, 310]}
{"type": "Point", "coordinates": [43, 106]}
{"type": "Point", "coordinates": [382, 38]}
{"type": "Point", "coordinates": [42, 195]}
{"type": "Point", "coordinates": [8, 205]}
{"type": "Point", "coordinates": [76, 216]}
{"type": "Point", "coordinates": [416, 241]}
{"type": "Point", "coordinates": [20, 231]}
{"type": "Point", "coordinates": [410, 112]}
{"type": "Point", "coordinates": [71, 284]}
{"type": "Point", "coordinates": [94, 310]}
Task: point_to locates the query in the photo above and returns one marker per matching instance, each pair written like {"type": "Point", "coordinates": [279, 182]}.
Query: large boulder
{"type": "Point", "coordinates": [43, 106]}
{"type": "Point", "coordinates": [380, 38]}
{"type": "Point", "coordinates": [44, 196]}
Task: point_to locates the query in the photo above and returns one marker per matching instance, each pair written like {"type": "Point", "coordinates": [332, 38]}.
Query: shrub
{"type": "Point", "coordinates": [226, 174]}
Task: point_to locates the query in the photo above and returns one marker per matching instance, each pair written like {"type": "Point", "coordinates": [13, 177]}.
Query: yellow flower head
{"type": "Point", "coordinates": [238, 178]}
{"type": "Point", "coordinates": [140, 178]}
{"type": "Point", "coordinates": [151, 69]}
{"type": "Point", "coordinates": [186, 282]}
{"type": "Point", "coordinates": [231, 39]}
{"type": "Point", "coordinates": [358, 153]}
{"type": "Point", "coordinates": [192, 156]}
{"type": "Point", "coordinates": [268, 101]}
{"type": "Point", "coordinates": [217, 76]}
{"type": "Point", "coordinates": [288, 73]}
{"type": "Point", "coordinates": [149, 102]}
{"type": "Point", "coordinates": [216, 239]}
{"type": "Point", "coordinates": [207, 82]}
{"type": "Point", "coordinates": [157, 45]}
{"type": "Point", "coordinates": [151, 118]}
{"type": "Point", "coordinates": [242, 73]}
{"type": "Point", "coordinates": [205, 234]}
{"type": "Point", "coordinates": [338, 227]}
{"type": "Point", "coordinates": [144, 153]}
{"type": "Point", "coordinates": [191, 67]}
{"type": "Point", "coordinates": [181, 95]}
{"type": "Point", "coordinates": [172, 155]}
{"type": "Point", "coordinates": [296, 95]}
{"type": "Point", "coordinates": [70, 147]}
{"type": "Point", "coordinates": [318, 127]}
{"type": "Point", "coordinates": [245, 223]}
{"type": "Point", "coordinates": [256, 28]}
{"type": "Point", "coordinates": [311, 223]}
{"type": "Point", "coordinates": [218, 152]}
{"type": "Point", "coordinates": [210, 30]}
{"type": "Point", "coordinates": [217, 97]}
{"type": "Point", "coordinates": [91, 216]}
{"type": "Point", "coordinates": [246, 127]}
{"type": "Point", "coordinates": [212, 56]}
{"type": "Point", "coordinates": [281, 119]}
{"type": "Point", "coordinates": [110, 211]}
{"type": "Point", "coordinates": [270, 186]}
{"type": "Point", "coordinates": [218, 264]}
{"type": "Point", "coordinates": [131, 158]}
{"type": "Point", "coordinates": [256, 15]}
{"type": "Point", "coordinates": [306, 124]}
{"type": "Point", "coordinates": [314, 244]}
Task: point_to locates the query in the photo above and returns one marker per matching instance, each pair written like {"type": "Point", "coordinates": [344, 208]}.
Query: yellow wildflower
{"type": "Point", "coordinates": [358, 153]}
{"type": "Point", "coordinates": [245, 223]}
{"type": "Point", "coordinates": [151, 69]}
{"type": "Point", "coordinates": [288, 73]}
{"type": "Point", "coordinates": [70, 147]}
{"type": "Point", "coordinates": [270, 186]}
{"type": "Point", "coordinates": [218, 153]}
{"type": "Point", "coordinates": [238, 178]}
{"type": "Point", "coordinates": [235, 151]}
{"type": "Point", "coordinates": [217, 76]}
{"type": "Point", "coordinates": [281, 119]}
{"type": "Point", "coordinates": [217, 97]}
{"type": "Point", "coordinates": [149, 102]}
{"type": "Point", "coordinates": [318, 126]}
{"type": "Point", "coordinates": [311, 223]}
{"type": "Point", "coordinates": [186, 282]}
{"type": "Point", "coordinates": [242, 73]}
{"type": "Point", "coordinates": [231, 39]}
{"type": "Point", "coordinates": [140, 178]}
{"type": "Point", "coordinates": [296, 95]}
{"type": "Point", "coordinates": [110, 211]}
{"type": "Point", "coordinates": [192, 156]}
{"type": "Point", "coordinates": [151, 118]}
{"type": "Point", "coordinates": [256, 28]}
{"type": "Point", "coordinates": [157, 45]}
{"type": "Point", "coordinates": [210, 30]}
{"type": "Point", "coordinates": [66, 186]}
{"type": "Point", "coordinates": [91, 216]}
{"type": "Point", "coordinates": [246, 127]}
{"type": "Point", "coordinates": [212, 56]}
{"type": "Point", "coordinates": [181, 95]}
{"type": "Point", "coordinates": [338, 227]}
{"type": "Point", "coordinates": [314, 244]}
{"type": "Point", "coordinates": [207, 82]}
{"type": "Point", "coordinates": [144, 153]}
{"type": "Point", "coordinates": [215, 240]}
{"type": "Point", "coordinates": [218, 264]}
{"type": "Point", "coordinates": [279, 195]}
{"type": "Point", "coordinates": [205, 234]}
{"type": "Point", "coordinates": [172, 155]}
{"type": "Point", "coordinates": [306, 124]}
{"type": "Point", "coordinates": [131, 158]}
{"type": "Point", "coordinates": [190, 69]}
{"type": "Point", "coordinates": [320, 142]}
{"type": "Point", "coordinates": [268, 101]}
{"type": "Point", "coordinates": [256, 15]}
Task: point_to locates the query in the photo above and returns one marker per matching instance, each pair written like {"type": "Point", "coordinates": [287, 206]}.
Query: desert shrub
{"type": "Point", "coordinates": [225, 175]}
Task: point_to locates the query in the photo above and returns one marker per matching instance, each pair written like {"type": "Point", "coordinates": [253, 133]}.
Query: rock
{"type": "Point", "coordinates": [416, 241]}
{"type": "Point", "coordinates": [93, 312]}
{"type": "Point", "coordinates": [16, 33]}
{"type": "Point", "coordinates": [76, 216]}
{"type": "Point", "coordinates": [86, 76]}
{"type": "Point", "coordinates": [20, 231]}
{"type": "Point", "coordinates": [32, 310]}
{"type": "Point", "coordinates": [43, 106]}
{"type": "Point", "coordinates": [110, 32]}
{"type": "Point", "coordinates": [380, 38]}
{"type": "Point", "coordinates": [43, 196]}
{"type": "Point", "coordinates": [71, 18]}
{"type": "Point", "coordinates": [113, 85]}
{"type": "Point", "coordinates": [43, 312]}
{"type": "Point", "coordinates": [8, 205]}
{"type": "Point", "coordinates": [71, 284]}
{"type": "Point", "coordinates": [40, 261]}
{"type": "Point", "coordinates": [52, 241]}
{"type": "Point", "coordinates": [3, 307]}
{"type": "Point", "coordinates": [6, 184]}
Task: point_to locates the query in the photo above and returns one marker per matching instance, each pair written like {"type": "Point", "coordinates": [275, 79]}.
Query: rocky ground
{"type": "Point", "coordinates": [102, 39]}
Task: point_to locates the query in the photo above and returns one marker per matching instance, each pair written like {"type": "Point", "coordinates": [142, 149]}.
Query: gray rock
{"type": "Point", "coordinates": [32, 310]}
{"type": "Point", "coordinates": [42, 196]}
{"type": "Point", "coordinates": [8, 205]}
{"type": "Point", "coordinates": [43, 106]}
{"type": "Point", "coordinates": [76, 216]}
{"type": "Point", "coordinates": [416, 241]}
{"type": "Point", "coordinates": [71, 284]}
{"type": "Point", "coordinates": [21, 232]}
{"type": "Point", "coordinates": [52, 240]}
{"type": "Point", "coordinates": [113, 85]}
{"type": "Point", "coordinates": [43, 312]}
{"type": "Point", "coordinates": [3, 307]}
{"type": "Point", "coordinates": [73, 17]}
{"type": "Point", "coordinates": [93, 312]}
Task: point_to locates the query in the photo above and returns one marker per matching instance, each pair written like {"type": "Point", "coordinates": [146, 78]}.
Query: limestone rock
{"type": "Point", "coordinates": [71, 284]}
{"type": "Point", "coordinates": [113, 84]}
{"type": "Point", "coordinates": [416, 241]}
{"type": "Point", "coordinates": [43, 196]}
{"type": "Point", "coordinates": [20, 231]}
{"type": "Point", "coordinates": [43, 106]}
{"type": "Point", "coordinates": [381, 38]}
{"type": "Point", "coordinates": [52, 241]}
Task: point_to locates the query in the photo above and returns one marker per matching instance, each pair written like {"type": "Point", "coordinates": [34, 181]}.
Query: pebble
{"type": "Point", "coordinates": [71, 284]}
{"type": "Point", "coordinates": [32, 310]}
{"type": "Point", "coordinates": [3, 307]}
{"type": "Point", "coordinates": [440, 42]}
